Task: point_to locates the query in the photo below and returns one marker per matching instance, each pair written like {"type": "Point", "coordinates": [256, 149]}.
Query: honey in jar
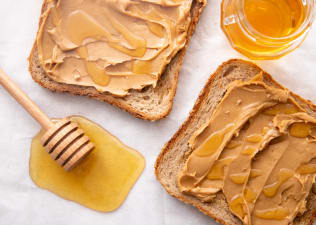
{"type": "Point", "coordinates": [266, 29]}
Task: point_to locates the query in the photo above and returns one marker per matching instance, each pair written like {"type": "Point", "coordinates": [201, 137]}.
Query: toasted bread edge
{"type": "Point", "coordinates": [170, 77]}
{"type": "Point", "coordinates": [227, 219]}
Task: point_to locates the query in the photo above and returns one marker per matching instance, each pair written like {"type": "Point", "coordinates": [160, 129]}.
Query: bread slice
{"type": "Point", "coordinates": [175, 153]}
{"type": "Point", "coordinates": [148, 104]}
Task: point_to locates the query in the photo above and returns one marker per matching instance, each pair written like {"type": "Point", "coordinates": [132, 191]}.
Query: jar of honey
{"type": "Point", "coordinates": [266, 29]}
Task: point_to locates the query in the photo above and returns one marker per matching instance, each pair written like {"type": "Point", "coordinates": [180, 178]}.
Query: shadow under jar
{"type": "Point", "coordinates": [266, 29]}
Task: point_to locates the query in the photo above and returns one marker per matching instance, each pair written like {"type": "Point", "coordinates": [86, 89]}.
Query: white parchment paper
{"type": "Point", "coordinates": [21, 202]}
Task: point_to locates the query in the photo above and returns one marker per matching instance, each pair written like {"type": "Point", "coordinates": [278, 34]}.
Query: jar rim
{"type": "Point", "coordinates": [255, 34]}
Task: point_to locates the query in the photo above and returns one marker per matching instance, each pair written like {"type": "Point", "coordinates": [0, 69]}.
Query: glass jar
{"type": "Point", "coordinates": [266, 29]}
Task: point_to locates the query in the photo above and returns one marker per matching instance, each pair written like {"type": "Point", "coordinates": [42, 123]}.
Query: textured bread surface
{"type": "Point", "coordinates": [149, 103]}
{"type": "Point", "coordinates": [175, 152]}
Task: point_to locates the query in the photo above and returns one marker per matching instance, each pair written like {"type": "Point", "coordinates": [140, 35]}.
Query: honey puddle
{"type": "Point", "coordinates": [101, 182]}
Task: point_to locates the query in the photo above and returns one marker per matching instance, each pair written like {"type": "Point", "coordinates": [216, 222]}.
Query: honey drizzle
{"type": "Point", "coordinates": [217, 171]}
{"type": "Point", "coordinates": [260, 172]}
{"type": "Point", "coordinates": [255, 173]}
{"type": "Point", "coordinates": [97, 74]}
{"type": "Point", "coordinates": [245, 203]}
{"type": "Point", "coordinates": [240, 168]}
{"type": "Point", "coordinates": [271, 189]}
{"type": "Point", "coordinates": [239, 178]}
{"type": "Point", "coordinates": [156, 28]}
{"type": "Point", "coordinates": [238, 201]}
{"type": "Point", "coordinates": [233, 144]}
{"type": "Point", "coordinates": [213, 142]}
{"type": "Point", "coordinates": [249, 151]}
{"type": "Point", "coordinates": [286, 108]}
{"type": "Point", "coordinates": [250, 196]}
{"type": "Point", "coordinates": [89, 28]}
{"type": "Point", "coordinates": [307, 169]}
{"type": "Point", "coordinates": [141, 67]}
{"type": "Point", "coordinates": [273, 214]}
{"type": "Point", "coordinates": [254, 138]}
{"type": "Point", "coordinates": [300, 130]}
{"type": "Point", "coordinates": [236, 206]}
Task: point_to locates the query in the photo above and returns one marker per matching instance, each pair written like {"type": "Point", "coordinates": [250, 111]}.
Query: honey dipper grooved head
{"type": "Point", "coordinates": [66, 144]}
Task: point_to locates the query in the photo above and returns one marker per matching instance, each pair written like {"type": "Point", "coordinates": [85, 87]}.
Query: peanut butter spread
{"type": "Point", "coordinates": [112, 45]}
{"type": "Point", "coordinates": [259, 149]}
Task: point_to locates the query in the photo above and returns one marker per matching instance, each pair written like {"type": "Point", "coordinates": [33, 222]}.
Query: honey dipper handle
{"type": "Point", "coordinates": [25, 101]}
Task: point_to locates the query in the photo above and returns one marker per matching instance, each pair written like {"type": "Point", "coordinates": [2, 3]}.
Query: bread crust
{"type": "Point", "coordinates": [148, 104]}
{"type": "Point", "coordinates": [164, 166]}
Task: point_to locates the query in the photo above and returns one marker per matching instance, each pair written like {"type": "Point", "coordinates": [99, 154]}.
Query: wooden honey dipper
{"type": "Point", "coordinates": [64, 141]}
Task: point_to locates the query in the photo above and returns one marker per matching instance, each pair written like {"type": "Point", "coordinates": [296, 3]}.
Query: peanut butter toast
{"type": "Point", "coordinates": [150, 97]}
{"type": "Point", "coordinates": [251, 162]}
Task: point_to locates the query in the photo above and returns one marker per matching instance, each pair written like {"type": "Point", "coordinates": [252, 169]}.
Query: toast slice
{"type": "Point", "coordinates": [175, 153]}
{"type": "Point", "coordinates": [148, 104]}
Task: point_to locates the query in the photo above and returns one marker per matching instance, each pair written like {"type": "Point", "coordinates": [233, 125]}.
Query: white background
{"type": "Point", "coordinates": [21, 202]}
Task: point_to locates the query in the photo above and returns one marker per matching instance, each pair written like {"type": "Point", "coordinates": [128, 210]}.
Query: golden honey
{"type": "Point", "coordinates": [275, 18]}
{"type": "Point", "coordinates": [254, 138]}
{"type": "Point", "coordinates": [101, 182]}
{"type": "Point", "coordinates": [113, 46]}
{"type": "Point", "coordinates": [287, 108]}
{"type": "Point", "coordinates": [271, 189]}
{"type": "Point", "coordinates": [307, 169]}
{"type": "Point", "coordinates": [273, 214]}
{"type": "Point", "coordinates": [249, 151]}
{"type": "Point", "coordinates": [300, 130]}
{"type": "Point", "coordinates": [266, 29]}
{"type": "Point", "coordinates": [236, 205]}
{"type": "Point", "coordinates": [217, 171]}
{"type": "Point", "coordinates": [255, 173]}
{"type": "Point", "coordinates": [213, 143]}
{"type": "Point", "coordinates": [239, 178]}
{"type": "Point", "coordinates": [250, 196]}
{"type": "Point", "coordinates": [233, 144]}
